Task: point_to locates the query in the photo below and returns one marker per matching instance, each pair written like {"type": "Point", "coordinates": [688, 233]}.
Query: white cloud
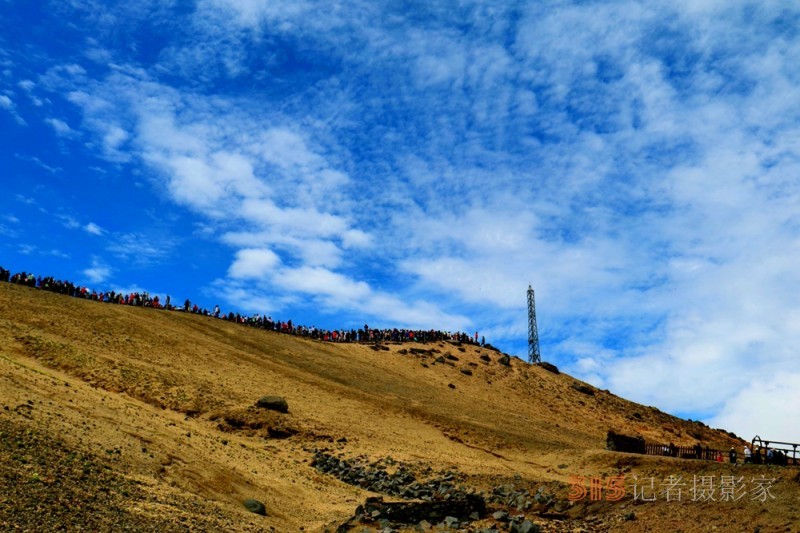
{"type": "Point", "coordinates": [287, 149]}
{"type": "Point", "coordinates": [253, 263]}
{"type": "Point", "coordinates": [8, 232]}
{"type": "Point", "coordinates": [140, 248]}
{"type": "Point", "coordinates": [113, 139]}
{"type": "Point", "coordinates": [318, 281]}
{"type": "Point", "coordinates": [245, 299]}
{"type": "Point", "coordinates": [39, 163]}
{"type": "Point", "coordinates": [253, 12]}
{"type": "Point", "coordinates": [8, 104]}
{"type": "Point", "coordinates": [93, 229]}
{"type": "Point", "coordinates": [129, 289]}
{"type": "Point", "coordinates": [98, 272]}
{"type": "Point", "coordinates": [355, 238]}
{"type": "Point", "coordinates": [68, 221]}
{"type": "Point", "coordinates": [763, 407]}
{"type": "Point", "coordinates": [60, 127]}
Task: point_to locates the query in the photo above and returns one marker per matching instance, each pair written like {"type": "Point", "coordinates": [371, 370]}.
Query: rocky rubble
{"type": "Point", "coordinates": [437, 503]}
{"type": "Point", "coordinates": [450, 514]}
{"type": "Point", "coordinates": [376, 477]}
{"type": "Point", "coordinates": [521, 499]}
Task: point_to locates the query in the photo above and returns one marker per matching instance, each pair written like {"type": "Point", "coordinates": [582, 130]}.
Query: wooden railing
{"type": "Point", "coordinates": [782, 453]}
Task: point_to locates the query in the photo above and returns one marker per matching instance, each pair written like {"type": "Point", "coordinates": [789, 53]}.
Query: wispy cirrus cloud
{"type": "Point", "coordinates": [7, 104]}
{"type": "Point", "coordinates": [60, 127]}
{"type": "Point", "coordinates": [139, 247]}
{"type": "Point", "coordinates": [270, 182]}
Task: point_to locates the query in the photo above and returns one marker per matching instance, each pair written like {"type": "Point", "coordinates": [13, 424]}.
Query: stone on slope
{"type": "Point", "coordinates": [273, 403]}
{"type": "Point", "coordinates": [255, 506]}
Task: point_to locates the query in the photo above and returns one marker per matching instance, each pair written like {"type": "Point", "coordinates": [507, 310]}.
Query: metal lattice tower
{"type": "Point", "coordinates": [534, 356]}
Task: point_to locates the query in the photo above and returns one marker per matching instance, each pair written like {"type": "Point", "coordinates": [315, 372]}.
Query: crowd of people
{"type": "Point", "coordinates": [766, 455]}
{"type": "Point", "coordinates": [143, 299]}
{"type": "Point", "coordinates": [770, 456]}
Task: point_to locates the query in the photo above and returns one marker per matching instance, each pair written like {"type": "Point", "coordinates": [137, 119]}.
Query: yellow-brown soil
{"type": "Point", "coordinates": [150, 422]}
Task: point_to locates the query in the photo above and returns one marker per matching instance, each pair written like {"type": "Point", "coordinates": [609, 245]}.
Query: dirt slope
{"type": "Point", "coordinates": [114, 416]}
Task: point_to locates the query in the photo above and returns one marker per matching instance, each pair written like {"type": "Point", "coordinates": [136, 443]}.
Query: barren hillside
{"type": "Point", "coordinates": [114, 416]}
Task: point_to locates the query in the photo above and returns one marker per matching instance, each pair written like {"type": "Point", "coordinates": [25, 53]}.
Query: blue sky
{"type": "Point", "coordinates": [420, 164]}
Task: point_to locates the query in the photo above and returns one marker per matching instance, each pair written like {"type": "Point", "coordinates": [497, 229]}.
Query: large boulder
{"type": "Point", "coordinates": [273, 403]}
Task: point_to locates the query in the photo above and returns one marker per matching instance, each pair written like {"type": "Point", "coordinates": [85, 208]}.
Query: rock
{"type": "Point", "coordinates": [485, 357]}
{"type": "Point", "coordinates": [451, 385]}
{"type": "Point", "coordinates": [451, 357]}
{"type": "Point", "coordinates": [273, 403]}
{"type": "Point", "coordinates": [440, 359]}
{"type": "Point", "coordinates": [542, 497]}
{"type": "Point", "coordinates": [526, 526]}
{"type": "Point", "coordinates": [500, 516]}
{"type": "Point", "coordinates": [280, 432]}
{"type": "Point", "coordinates": [255, 506]}
{"type": "Point", "coordinates": [451, 522]}
{"type": "Point", "coordinates": [420, 513]}
{"type": "Point", "coordinates": [583, 389]}
{"type": "Point", "coordinates": [549, 367]}
{"type": "Point", "coordinates": [505, 360]}
{"type": "Point", "coordinates": [466, 371]}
